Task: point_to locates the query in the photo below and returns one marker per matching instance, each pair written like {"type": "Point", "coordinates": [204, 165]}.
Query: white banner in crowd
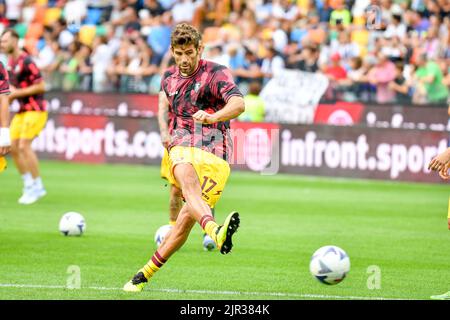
{"type": "Point", "coordinates": [292, 96]}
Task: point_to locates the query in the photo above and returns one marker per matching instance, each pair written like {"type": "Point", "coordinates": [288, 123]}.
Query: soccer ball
{"type": "Point", "coordinates": [72, 224]}
{"type": "Point", "coordinates": [329, 264]}
{"type": "Point", "coordinates": [161, 234]}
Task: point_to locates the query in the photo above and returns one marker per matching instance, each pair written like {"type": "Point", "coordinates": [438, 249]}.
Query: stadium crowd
{"type": "Point", "coordinates": [371, 50]}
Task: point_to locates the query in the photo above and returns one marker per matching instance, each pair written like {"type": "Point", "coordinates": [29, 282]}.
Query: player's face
{"type": "Point", "coordinates": [187, 58]}
{"type": "Point", "coordinates": [7, 43]}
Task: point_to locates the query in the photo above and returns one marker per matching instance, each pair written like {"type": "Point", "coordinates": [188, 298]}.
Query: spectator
{"type": "Point", "coordinates": [400, 86]}
{"type": "Point", "coordinates": [350, 87]}
{"type": "Point", "coordinates": [249, 71]}
{"type": "Point", "coordinates": [69, 68]}
{"type": "Point", "coordinates": [344, 47]}
{"type": "Point", "coordinates": [306, 60]}
{"type": "Point", "coordinates": [47, 54]}
{"type": "Point", "coordinates": [85, 68]}
{"type": "Point", "coordinates": [272, 64]}
{"type": "Point", "coordinates": [380, 76]}
{"type": "Point", "coordinates": [254, 104]}
{"type": "Point", "coordinates": [340, 15]}
{"type": "Point", "coordinates": [13, 11]}
{"type": "Point", "coordinates": [101, 59]}
{"type": "Point", "coordinates": [335, 73]}
{"type": "Point", "coordinates": [429, 80]}
{"type": "Point", "coordinates": [183, 11]}
{"type": "Point", "coordinates": [396, 28]}
{"type": "Point", "coordinates": [216, 54]}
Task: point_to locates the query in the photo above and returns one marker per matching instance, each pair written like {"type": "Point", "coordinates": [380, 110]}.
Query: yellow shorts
{"type": "Point", "coordinates": [28, 125]}
{"type": "Point", "coordinates": [3, 164]}
{"type": "Point", "coordinates": [212, 171]}
{"type": "Point", "coordinates": [165, 168]}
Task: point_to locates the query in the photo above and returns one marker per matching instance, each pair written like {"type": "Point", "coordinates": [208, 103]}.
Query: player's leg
{"type": "Point", "coordinates": [208, 242]}
{"type": "Point", "coordinates": [187, 177]}
{"type": "Point", "coordinates": [29, 162]}
{"type": "Point", "coordinates": [175, 203]}
{"type": "Point", "coordinates": [23, 131]}
{"type": "Point", "coordinates": [172, 243]}
{"type": "Point", "coordinates": [16, 131]}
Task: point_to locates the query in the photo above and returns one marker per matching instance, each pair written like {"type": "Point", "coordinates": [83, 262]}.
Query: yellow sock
{"type": "Point", "coordinates": [209, 226]}
{"type": "Point", "coordinates": [3, 164]}
{"type": "Point", "coordinates": [153, 265]}
{"type": "Point", "coordinates": [172, 222]}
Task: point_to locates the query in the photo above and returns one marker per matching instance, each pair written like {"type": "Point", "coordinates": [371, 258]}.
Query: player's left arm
{"type": "Point", "coordinates": [224, 87]}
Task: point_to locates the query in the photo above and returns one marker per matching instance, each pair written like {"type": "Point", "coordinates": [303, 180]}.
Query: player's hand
{"type": "Point", "coordinates": [4, 151]}
{"type": "Point", "coordinates": [12, 95]}
{"type": "Point", "coordinates": [439, 163]}
{"type": "Point", "coordinates": [204, 117]}
{"type": "Point", "coordinates": [165, 139]}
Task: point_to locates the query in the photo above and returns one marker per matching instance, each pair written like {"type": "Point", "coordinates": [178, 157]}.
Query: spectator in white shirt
{"type": "Point", "coordinates": [272, 65]}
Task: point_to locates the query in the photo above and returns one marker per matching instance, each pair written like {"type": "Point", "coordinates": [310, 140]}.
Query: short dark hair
{"type": "Point", "coordinates": [185, 34]}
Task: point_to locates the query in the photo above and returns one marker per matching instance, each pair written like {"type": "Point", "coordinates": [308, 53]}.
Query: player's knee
{"type": "Point", "coordinates": [21, 146]}
{"type": "Point", "coordinates": [15, 149]}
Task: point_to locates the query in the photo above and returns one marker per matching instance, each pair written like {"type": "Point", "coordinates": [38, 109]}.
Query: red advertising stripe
{"type": "Point", "coordinates": [340, 113]}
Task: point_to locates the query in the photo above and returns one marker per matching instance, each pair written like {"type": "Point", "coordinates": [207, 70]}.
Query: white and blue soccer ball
{"type": "Point", "coordinates": [72, 224]}
{"type": "Point", "coordinates": [329, 265]}
{"type": "Point", "coordinates": [161, 234]}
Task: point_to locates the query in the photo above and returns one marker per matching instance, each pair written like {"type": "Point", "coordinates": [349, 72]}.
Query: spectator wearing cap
{"type": "Point", "coordinates": [335, 73]}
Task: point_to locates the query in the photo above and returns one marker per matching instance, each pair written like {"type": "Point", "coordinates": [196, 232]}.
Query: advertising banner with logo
{"type": "Point", "coordinates": [339, 113]}
{"type": "Point", "coordinates": [357, 152]}
{"type": "Point", "coordinates": [292, 96]}
{"type": "Point", "coordinates": [321, 150]}
{"type": "Point", "coordinates": [100, 139]}
{"type": "Point", "coordinates": [427, 117]}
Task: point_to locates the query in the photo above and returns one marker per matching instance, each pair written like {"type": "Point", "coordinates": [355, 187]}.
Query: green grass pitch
{"type": "Point", "coordinates": [399, 227]}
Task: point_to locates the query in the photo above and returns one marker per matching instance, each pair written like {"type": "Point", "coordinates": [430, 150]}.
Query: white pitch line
{"type": "Point", "coordinates": [240, 293]}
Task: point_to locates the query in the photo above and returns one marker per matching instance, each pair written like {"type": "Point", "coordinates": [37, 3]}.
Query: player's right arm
{"type": "Point", "coordinates": [441, 163]}
{"type": "Point", "coordinates": [5, 141]}
{"type": "Point", "coordinates": [163, 118]}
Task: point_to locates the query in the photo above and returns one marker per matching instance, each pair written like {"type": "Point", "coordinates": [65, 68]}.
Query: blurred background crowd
{"type": "Point", "coordinates": [371, 50]}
